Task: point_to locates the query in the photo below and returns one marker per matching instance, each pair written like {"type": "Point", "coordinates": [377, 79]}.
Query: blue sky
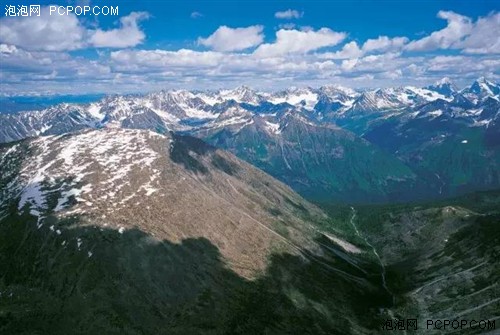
{"type": "Point", "coordinates": [154, 45]}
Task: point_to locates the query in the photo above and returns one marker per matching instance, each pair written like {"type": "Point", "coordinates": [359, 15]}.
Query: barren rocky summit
{"type": "Point", "coordinates": [169, 186]}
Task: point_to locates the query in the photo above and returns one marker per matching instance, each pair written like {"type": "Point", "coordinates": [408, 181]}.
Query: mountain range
{"type": "Point", "coordinates": [381, 145]}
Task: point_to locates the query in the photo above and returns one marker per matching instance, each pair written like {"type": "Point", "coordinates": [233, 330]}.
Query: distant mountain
{"type": "Point", "coordinates": [397, 129]}
{"type": "Point", "coordinates": [480, 89]}
{"type": "Point", "coordinates": [24, 103]}
{"type": "Point", "coordinates": [317, 160]}
{"type": "Point", "coordinates": [450, 141]}
{"type": "Point", "coordinates": [444, 87]}
{"type": "Point", "coordinates": [130, 231]}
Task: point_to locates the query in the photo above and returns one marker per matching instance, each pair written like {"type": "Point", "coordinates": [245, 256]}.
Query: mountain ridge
{"type": "Point", "coordinates": [386, 118]}
{"type": "Point", "coordinates": [130, 231]}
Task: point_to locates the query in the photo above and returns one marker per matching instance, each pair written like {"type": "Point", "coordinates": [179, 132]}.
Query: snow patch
{"type": "Point", "coordinates": [343, 244]}
{"type": "Point", "coordinates": [95, 111]}
{"type": "Point", "coordinates": [273, 128]}
{"type": "Point", "coordinates": [306, 97]}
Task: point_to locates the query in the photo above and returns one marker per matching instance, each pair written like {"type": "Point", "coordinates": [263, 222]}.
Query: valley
{"type": "Point", "coordinates": [440, 258]}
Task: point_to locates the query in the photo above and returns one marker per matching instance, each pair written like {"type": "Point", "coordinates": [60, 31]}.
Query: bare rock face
{"type": "Point", "coordinates": [169, 186]}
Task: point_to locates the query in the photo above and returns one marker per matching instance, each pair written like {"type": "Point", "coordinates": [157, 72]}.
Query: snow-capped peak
{"type": "Point", "coordinates": [482, 88]}
{"type": "Point", "coordinates": [301, 97]}
{"type": "Point", "coordinates": [241, 94]}
{"type": "Point", "coordinates": [444, 87]}
{"type": "Point", "coordinates": [482, 80]}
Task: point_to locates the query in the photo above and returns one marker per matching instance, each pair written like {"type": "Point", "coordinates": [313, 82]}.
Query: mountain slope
{"type": "Point", "coordinates": [318, 161]}
{"type": "Point", "coordinates": [441, 258]}
{"type": "Point", "coordinates": [128, 231]}
{"type": "Point", "coordinates": [452, 147]}
{"type": "Point", "coordinates": [121, 166]}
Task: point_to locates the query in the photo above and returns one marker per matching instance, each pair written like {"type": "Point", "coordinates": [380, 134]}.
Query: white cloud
{"type": "Point", "coordinates": [458, 27]}
{"type": "Point", "coordinates": [65, 32]}
{"type": "Point", "coordinates": [7, 49]}
{"type": "Point", "coordinates": [196, 15]}
{"type": "Point", "coordinates": [49, 72]}
{"type": "Point", "coordinates": [392, 74]}
{"type": "Point", "coordinates": [132, 70]}
{"type": "Point", "coordinates": [484, 37]}
{"type": "Point", "coordinates": [295, 41]}
{"type": "Point", "coordinates": [289, 14]}
{"type": "Point", "coordinates": [462, 65]}
{"type": "Point", "coordinates": [384, 44]}
{"type": "Point", "coordinates": [37, 62]}
{"type": "Point", "coordinates": [350, 50]}
{"type": "Point", "coordinates": [233, 39]}
{"type": "Point", "coordinates": [381, 44]}
{"type": "Point", "coordinates": [288, 25]}
{"type": "Point", "coordinates": [128, 35]}
{"type": "Point", "coordinates": [45, 32]}
{"type": "Point", "coordinates": [131, 60]}
{"type": "Point", "coordinates": [480, 37]}
{"type": "Point", "coordinates": [349, 64]}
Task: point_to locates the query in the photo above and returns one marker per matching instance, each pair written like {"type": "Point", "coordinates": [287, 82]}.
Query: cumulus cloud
{"type": "Point", "coordinates": [484, 37]}
{"type": "Point", "coordinates": [381, 44]}
{"type": "Point", "coordinates": [480, 37]}
{"type": "Point", "coordinates": [457, 28]}
{"type": "Point", "coordinates": [233, 39]}
{"type": "Point", "coordinates": [131, 70]}
{"type": "Point", "coordinates": [7, 49]}
{"type": "Point", "coordinates": [127, 35]}
{"type": "Point", "coordinates": [131, 60]}
{"type": "Point", "coordinates": [384, 44]}
{"type": "Point", "coordinates": [350, 50]}
{"type": "Point", "coordinates": [42, 72]}
{"type": "Point", "coordinates": [33, 56]}
{"type": "Point", "coordinates": [65, 32]}
{"type": "Point", "coordinates": [349, 64]}
{"type": "Point", "coordinates": [45, 32]}
{"type": "Point", "coordinates": [295, 41]}
{"type": "Point", "coordinates": [218, 67]}
{"type": "Point", "coordinates": [289, 14]}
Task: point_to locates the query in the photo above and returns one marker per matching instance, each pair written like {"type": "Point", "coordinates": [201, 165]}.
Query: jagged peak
{"type": "Point", "coordinates": [482, 79]}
